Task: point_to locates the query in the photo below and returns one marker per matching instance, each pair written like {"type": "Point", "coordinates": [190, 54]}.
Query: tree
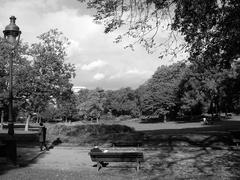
{"type": "Point", "coordinates": [123, 102]}
{"type": "Point", "coordinates": [50, 75]}
{"type": "Point", "coordinates": [4, 71]}
{"type": "Point", "coordinates": [40, 74]}
{"type": "Point", "coordinates": [20, 67]}
{"type": "Point", "coordinates": [67, 105]}
{"type": "Point", "coordinates": [143, 20]}
{"type": "Point", "coordinates": [91, 103]}
{"type": "Point", "coordinates": [210, 30]}
{"type": "Point", "coordinates": [159, 95]}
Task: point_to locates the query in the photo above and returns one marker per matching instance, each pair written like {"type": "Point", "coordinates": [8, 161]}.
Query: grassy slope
{"type": "Point", "coordinates": [91, 134]}
{"type": "Point", "coordinates": [150, 134]}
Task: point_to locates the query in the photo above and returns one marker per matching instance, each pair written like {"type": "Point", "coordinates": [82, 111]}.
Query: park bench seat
{"type": "Point", "coordinates": [235, 136]}
{"type": "Point", "coordinates": [236, 141]}
{"type": "Point", "coordinates": [116, 157]}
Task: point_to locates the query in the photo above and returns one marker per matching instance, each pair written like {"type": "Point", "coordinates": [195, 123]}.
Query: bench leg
{"type": "Point", "coordinates": [138, 165]}
{"type": "Point", "coordinates": [99, 165]}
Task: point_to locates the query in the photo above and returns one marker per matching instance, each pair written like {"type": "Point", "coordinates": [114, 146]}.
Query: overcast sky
{"type": "Point", "coordinates": [99, 62]}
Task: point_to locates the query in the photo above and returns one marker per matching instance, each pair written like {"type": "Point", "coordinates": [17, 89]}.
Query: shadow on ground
{"type": "Point", "coordinates": [191, 163]}
{"type": "Point", "coordinates": [27, 155]}
{"type": "Point", "coordinates": [220, 134]}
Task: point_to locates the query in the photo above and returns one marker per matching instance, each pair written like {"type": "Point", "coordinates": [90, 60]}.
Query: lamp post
{"type": "Point", "coordinates": [12, 35]}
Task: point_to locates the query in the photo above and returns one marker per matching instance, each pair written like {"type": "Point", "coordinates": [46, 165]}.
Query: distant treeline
{"type": "Point", "coordinates": [172, 91]}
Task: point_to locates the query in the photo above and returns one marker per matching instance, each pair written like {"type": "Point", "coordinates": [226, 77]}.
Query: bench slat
{"type": "Point", "coordinates": [117, 156]}
{"type": "Point", "coordinates": [117, 159]}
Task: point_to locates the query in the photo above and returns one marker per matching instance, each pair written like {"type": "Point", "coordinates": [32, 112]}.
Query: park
{"type": "Point", "coordinates": [120, 89]}
{"type": "Point", "coordinates": [170, 151]}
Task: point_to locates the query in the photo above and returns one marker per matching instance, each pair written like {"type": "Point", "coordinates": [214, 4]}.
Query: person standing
{"type": "Point", "coordinates": [42, 136]}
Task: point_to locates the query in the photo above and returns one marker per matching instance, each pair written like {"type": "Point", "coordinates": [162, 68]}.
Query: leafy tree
{"type": "Point", "coordinates": [4, 57]}
{"type": "Point", "coordinates": [211, 37]}
{"type": "Point", "coordinates": [49, 76]}
{"type": "Point", "coordinates": [159, 95]}
{"type": "Point", "coordinates": [50, 113]}
{"type": "Point", "coordinates": [82, 95]}
{"type": "Point", "coordinates": [230, 101]}
{"type": "Point", "coordinates": [67, 105]}
{"type": "Point", "coordinates": [91, 103]}
{"type": "Point", "coordinates": [40, 73]}
{"type": "Point", "coordinates": [209, 27]}
{"type": "Point", "coordinates": [123, 102]}
{"type": "Point", "coordinates": [20, 66]}
{"type": "Point", "coordinates": [143, 20]}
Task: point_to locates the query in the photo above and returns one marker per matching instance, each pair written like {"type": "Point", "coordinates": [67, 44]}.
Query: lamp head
{"type": "Point", "coordinates": [12, 31]}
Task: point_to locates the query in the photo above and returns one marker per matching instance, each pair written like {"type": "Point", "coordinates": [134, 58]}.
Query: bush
{"type": "Point", "coordinates": [151, 119]}
{"type": "Point", "coordinates": [123, 118]}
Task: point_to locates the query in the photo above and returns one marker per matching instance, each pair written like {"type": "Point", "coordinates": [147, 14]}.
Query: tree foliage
{"type": "Point", "coordinates": [158, 96]}
{"type": "Point", "coordinates": [50, 74]}
{"type": "Point", "coordinates": [211, 35]}
{"type": "Point", "coordinates": [143, 19]}
{"type": "Point", "coordinates": [91, 103]}
{"type": "Point", "coordinates": [40, 73]}
{"type": "Point", "coordinates": [210, 28]}
{"type": "Point", "coordinates": [123, 102]}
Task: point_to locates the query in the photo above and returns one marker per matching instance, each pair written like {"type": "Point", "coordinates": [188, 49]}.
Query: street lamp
{"type": "Point", "coordinates": [12, 36]}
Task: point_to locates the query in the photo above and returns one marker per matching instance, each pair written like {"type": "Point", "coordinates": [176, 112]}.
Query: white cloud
{"type": "Point", "coordinates": [93, 65]}
{"type": "Point", "coordinates": [73, 48]}
{"type": "Point", "coordinates": [120, 67]}
{"type": "Point", "coordinates": [73, 26]}
{"type": "Point", "coordinates": [99, 76]}
{"type": "Point", "coordinates": [77, 88]}
{"type": "Point", "coordinates": [138, 72]}
{"type": "Point", "coordinates": [36, 17]}
{"type": "Point", "coordinates": [131, 72]}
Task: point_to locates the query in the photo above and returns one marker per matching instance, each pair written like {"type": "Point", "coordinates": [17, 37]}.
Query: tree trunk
{"type": "Point", "coordinates": [165, 118]}
{"type": "Point", "coordinates": [211, 108]}
{"type": "Point", "coordinates": [27, 123]}
{"type": "Point", "coordinates": [217, 107]}
{"type": "Point", "coordinates": [65, 119]}
{"type": "Point", "coordinates": [2, 117]}
{"type": "Point", "coordinates": [38, 118]}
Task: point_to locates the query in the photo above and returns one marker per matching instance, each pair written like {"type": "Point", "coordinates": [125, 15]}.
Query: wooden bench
{"type": "Point", "coordinates": [100, 157]}
{"type": "Point", "coordinates": [235, 136]}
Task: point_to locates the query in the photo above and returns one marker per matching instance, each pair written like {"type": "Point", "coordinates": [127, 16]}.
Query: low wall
{"type": "Point", "coordinates": [20, 136]}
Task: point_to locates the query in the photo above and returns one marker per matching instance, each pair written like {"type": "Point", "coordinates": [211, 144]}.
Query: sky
{"type": "Point", "coordinates": [99, 62]}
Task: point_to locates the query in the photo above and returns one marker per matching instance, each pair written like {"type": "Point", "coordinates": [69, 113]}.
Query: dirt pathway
{"type": "Point", "coordinates": [65, 158]}
{"type": "Point", "coordinates": [74, 163]}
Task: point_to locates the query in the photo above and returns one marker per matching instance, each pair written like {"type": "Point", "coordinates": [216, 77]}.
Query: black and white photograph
{"type": "Point", "coordinates": [119, 89]}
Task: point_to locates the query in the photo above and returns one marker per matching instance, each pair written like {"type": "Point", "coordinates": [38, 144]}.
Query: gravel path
{"type": "Point", "coordinates": [65, 158]}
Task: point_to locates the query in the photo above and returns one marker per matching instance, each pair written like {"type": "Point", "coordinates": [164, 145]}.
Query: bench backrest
{"type": "Point", "coordinates": [117, 156]}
